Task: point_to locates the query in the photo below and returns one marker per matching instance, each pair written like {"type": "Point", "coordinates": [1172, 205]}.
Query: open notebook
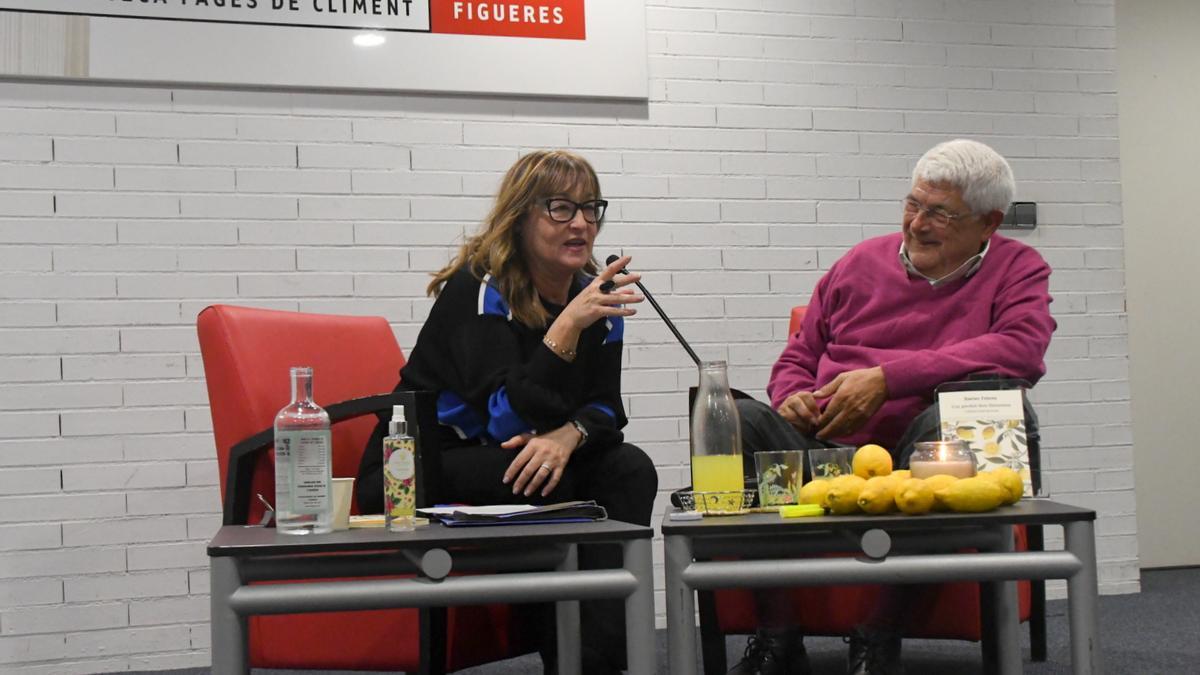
{"type": "Point", "coordinates": [516, 514]}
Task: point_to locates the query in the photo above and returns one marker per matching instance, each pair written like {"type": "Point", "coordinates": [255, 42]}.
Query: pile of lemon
{"type": "Point", "coordinates": [874, 488]}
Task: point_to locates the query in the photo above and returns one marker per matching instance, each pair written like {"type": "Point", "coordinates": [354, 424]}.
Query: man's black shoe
{"type": "Point", "coordinates": [873, 653]}
{"type": "Point", "coordinates": [774, 653]}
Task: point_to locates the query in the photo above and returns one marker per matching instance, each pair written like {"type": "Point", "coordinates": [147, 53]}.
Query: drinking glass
{"type": "Point", "coordinates": [780, 473]}
{"type": "Point", "coordinates": [830, 462]}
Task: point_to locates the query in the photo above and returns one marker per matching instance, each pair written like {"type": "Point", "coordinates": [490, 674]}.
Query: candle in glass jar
{"type": "Point", "coordinates": [951, 458]}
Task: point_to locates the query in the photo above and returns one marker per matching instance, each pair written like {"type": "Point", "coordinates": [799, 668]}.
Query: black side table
{"type": "Point", "coordinates": [931, 542]}
{"type": "Point", "coordinates": [240, 555]}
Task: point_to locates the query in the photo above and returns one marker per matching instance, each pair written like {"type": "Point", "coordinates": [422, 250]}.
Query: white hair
{"type": "Point", "coordinates": [981, 173]}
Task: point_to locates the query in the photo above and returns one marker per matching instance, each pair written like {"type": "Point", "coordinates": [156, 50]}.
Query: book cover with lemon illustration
{"type": "Point", "coordinates": [992, 424]}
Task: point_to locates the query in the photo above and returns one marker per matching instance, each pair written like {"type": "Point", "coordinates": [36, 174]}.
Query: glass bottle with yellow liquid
{"type": "Point", "coordinates": [716, 443]}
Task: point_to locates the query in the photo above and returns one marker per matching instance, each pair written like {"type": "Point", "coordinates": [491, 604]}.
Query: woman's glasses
{"type": "Point", "coordinates": [564, 210]}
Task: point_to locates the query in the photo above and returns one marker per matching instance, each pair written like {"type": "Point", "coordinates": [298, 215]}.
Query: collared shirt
{"type": "Point", "coordinates": [971, 266]}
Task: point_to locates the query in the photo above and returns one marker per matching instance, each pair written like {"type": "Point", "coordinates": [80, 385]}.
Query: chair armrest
{"type": "Point", "coordinates": [985, 382]}
{"type": "Point", "coordinates": [419, 406]}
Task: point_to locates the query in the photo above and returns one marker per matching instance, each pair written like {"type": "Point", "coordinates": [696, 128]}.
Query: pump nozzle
{"type": "Point", "coordinates": [399, 423]}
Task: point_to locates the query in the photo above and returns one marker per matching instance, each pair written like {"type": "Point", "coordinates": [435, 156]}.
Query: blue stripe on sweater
{"type": "Point", "coordinates": [456, 414]}
{"type": "Point", "coordinates": [616, 329]}
{"type": "Point", "coordinates": [503, 421]}
{"type": "Point", "coordinates": [603, 408]}
{"type": "Point", "coordinates": [491, 301]}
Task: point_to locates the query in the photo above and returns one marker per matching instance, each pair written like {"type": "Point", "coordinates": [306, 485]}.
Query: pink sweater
{"type": "Point", "coordinates": [867, 311]}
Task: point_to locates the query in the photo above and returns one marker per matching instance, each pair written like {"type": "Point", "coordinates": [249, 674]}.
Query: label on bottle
{"type": "Point", "coordinates": [283, 472]}
{"type": "Point", "coordinates": [399, 476]}
{"type": "Point", "coordinates": [309, 462]}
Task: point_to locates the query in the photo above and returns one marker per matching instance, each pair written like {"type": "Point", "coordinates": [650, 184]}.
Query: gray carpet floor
{"type": "Point", "coordinates": [1155, 631]}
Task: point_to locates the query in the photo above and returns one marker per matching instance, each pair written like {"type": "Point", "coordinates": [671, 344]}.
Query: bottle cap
{"type": "Point", "coordinates": [398, 424]}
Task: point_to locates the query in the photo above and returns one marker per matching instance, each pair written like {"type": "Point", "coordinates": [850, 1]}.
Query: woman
{"type": "Point", "coordinates": [523, 347]}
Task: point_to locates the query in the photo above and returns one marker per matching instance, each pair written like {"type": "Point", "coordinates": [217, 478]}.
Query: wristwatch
{"type": "Point", "coordinates": [583, 434]}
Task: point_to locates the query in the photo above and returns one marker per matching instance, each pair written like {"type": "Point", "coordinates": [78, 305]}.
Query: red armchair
{"type": "Point", "coordinates": [836, 610]}
{"type": "Point", "coordinates": [246, 354]}
{"type": "Point", "coordinates": [796, 319]}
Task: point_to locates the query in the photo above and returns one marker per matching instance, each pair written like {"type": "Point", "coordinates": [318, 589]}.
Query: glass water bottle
{"type": "Point", "coordinates": [716, 442]}
{"type": "Point", "coordinates": [303, 461]}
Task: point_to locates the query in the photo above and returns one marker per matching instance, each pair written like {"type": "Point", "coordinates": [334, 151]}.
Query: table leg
{"type": "Point", "coordinates": [681, 608]}
{"type": "Point", "coordinates": [639, 608]}
{"type": "Point", "coordinates": [1008, 615]}
{"type": "Point", "coordinates": [1083, 598]}
{"type": "Point", "coordinates": [228, 629]}
{"type": "Point", "coordinates": [566, 616]}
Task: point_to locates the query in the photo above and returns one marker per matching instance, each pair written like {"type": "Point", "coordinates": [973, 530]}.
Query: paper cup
{"type": "Point", "coordinates": [343, 491]}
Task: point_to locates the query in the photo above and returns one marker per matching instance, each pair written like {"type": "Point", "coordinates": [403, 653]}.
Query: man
{"type": "Point", "coordinates": [898, 315]}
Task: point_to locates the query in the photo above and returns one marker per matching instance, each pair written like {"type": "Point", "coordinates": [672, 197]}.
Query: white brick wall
{"type": "Point", "coordinates": [775, 137]}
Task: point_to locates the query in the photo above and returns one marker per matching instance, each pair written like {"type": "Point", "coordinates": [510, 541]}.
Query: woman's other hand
{"type": "Point", "coordinates": [541, 461]}
{"type": "Point", "coordinates": [609, 294]}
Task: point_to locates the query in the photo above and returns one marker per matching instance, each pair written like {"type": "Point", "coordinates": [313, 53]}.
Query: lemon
{"type": "Point", "coordinates": [939, 481]}
{"type": "Point", "coordinates": [936, 483]}
{"type": "Point", "coordinates": [872, 460]}
{"type": "Point", "coordinates": [842, 496]}
{"type": "Point", "coordinates": [877, 495]}
{"type": "Point", "coordinates": [1008, 479]}
{"type": "Point", "coordinates": [814, 491]}
{"type": "Point", "coordinates": [965, 433]}
{"type": "Point", "coordinates": [901, 474]}
{"type": "Point", "coordinates": [972, 495]}
{"type": "Point", "coordinates": [914, 496]}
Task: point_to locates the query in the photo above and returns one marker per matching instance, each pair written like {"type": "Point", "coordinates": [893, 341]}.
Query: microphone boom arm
{"type": "Point", "coordinates": [661, 313]}
{"type": "Point", "coordinates": [654, 304]}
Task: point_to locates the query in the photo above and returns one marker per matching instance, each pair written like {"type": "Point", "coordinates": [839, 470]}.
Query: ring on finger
{"type": "Point", "coordinates": [546, 467]}
{"type": "Point", "coordinates": [607, 286]}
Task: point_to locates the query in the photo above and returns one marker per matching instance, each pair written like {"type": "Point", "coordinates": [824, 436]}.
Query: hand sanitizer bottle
{"type": "Point", "coordinates": [303, 462]}
{"type": "Point", "coordinates": [399, 474]}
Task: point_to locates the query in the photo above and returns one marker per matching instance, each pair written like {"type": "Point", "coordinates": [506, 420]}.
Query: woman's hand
{"type": "Point", "coordinates": [541, 461]}
{"type": "Point", "coordinates": [608, 295]}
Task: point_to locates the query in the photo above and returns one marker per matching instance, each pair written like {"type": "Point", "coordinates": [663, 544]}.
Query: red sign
{"type": "Point", "coordinates": [555, 19]}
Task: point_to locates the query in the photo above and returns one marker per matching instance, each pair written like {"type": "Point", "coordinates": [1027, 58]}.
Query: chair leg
{"type": "Point", "coordinates": [1037, 620]}
{"type": "Point", "coordinates": [712, 641]}
{"type": "Point", "coordinates": [1037, 604]}
{"type": "Point", "coordinates": [432, 641]}
{"type": "Point", "coordinates": [987, 629]}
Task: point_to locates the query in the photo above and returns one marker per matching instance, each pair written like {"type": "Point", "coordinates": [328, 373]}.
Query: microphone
{"type": "Point", "coordinates": [653, 303]}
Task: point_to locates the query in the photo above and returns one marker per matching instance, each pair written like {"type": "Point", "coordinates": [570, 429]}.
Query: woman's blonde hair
{"type": "Point", "coordinates": [496, 248]}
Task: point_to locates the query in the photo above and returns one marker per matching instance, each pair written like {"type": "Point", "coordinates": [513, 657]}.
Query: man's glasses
{"type": "Point", "coordinates": [564, 210]}
{"type": "Point", "coordinates": [935, 215]}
